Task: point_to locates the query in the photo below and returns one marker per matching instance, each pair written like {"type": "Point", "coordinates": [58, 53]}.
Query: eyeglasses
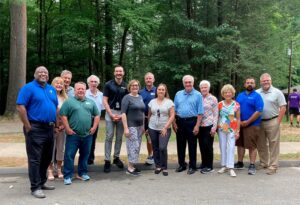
{"type": "Point", "coordinates": [134, 85]}
{"type": "Point", "coordinates": [158, 113]}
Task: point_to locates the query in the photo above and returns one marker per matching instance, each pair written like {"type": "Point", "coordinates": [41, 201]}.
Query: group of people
{"type": "Point", "coordinates": [59, 120]}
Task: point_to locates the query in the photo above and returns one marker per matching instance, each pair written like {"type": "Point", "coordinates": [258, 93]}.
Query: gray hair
{"type": "Point", "coordinates": [187, 76]}
{"type": "Point", "coordinates": [206, 82]}
{"type": "Point", "coordinates": [65, 72]}
{"type": "Point", "coordinates": [265, 75]}
{"type": "Point", "coordinates": [80, 83]}
{"type": "Point", "coordinates": [93, 76]}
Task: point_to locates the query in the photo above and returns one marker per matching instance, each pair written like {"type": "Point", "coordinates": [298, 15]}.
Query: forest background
{"type": "Point", "coordinates": [222, 41]}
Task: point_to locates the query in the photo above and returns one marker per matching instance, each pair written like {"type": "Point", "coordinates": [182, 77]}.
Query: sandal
{"type": "Point", "coordinates": [60, 174]}
{"type": "Point", "coordinates": [157, 171]}
{"type": "Point", "coordinates": [50, 175]}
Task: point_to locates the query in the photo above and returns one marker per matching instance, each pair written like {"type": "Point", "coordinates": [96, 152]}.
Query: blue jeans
{"type": "Point", "coordinates": [74, 143]}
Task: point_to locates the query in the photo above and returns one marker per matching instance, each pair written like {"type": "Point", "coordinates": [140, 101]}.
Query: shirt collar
{"type": "Point", "coordinates": [190, 93]}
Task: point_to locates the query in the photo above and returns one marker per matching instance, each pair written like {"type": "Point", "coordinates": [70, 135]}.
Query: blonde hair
{"type": "Point", "coordinates": [131, 82]}
{"type": "Point", "coordinates": [227, 88]}
{"type": "Point", "coordinates": [63, 91]}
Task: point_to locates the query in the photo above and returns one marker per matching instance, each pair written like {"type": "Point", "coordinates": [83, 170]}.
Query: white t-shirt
{"type": "Point", "coordinates": [159, 113]}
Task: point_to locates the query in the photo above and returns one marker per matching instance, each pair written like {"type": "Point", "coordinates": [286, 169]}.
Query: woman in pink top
{"type": "Point", "coordinates": [207, 128]}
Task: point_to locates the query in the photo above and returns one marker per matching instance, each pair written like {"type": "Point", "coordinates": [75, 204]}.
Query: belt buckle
{"type": "Point", "coordinates": [51, 123]}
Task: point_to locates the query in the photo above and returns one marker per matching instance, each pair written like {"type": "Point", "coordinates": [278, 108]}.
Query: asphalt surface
{"type": "Point", "coordinates": [178, 188]}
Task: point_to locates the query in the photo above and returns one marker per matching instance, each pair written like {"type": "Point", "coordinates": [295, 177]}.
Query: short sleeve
{"type": "Point", "coordinates": [259, 103]}
{"type": "Point", "coordinates": [281, 99]}
{"type": "Point", "coordinates": [106, 90]}
{"type": "Point", "coordinates": [64, 108]}
{"type": "Point", "coordinates": [124, 104]}
{"type": "Point", "coordinates": [24, 96]}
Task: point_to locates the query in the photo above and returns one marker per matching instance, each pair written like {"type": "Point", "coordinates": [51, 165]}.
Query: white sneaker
{"type": "Point", "coordinates": [232, 173]}
{"type": "Point", "coordinates": [149, 160]}
{"type": "Point", "coordinates": [222, 170]}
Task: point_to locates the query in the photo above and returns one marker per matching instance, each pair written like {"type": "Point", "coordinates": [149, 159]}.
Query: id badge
{"type": "Point", "coordinates": [117, 105]}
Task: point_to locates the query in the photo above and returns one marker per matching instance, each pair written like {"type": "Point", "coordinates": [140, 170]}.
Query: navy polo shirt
{"type": "Point", "coordinates": [147, 96]}
{"type": "Point", "coordinates": [115, 93]}
{"type": "Point", "coordinates": [40, 102]}
{"type": "Point", "coordinates": [250, 103]}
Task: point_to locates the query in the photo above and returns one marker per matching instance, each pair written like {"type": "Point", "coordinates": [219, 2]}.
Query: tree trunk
{"type": "Point", "coordinates": [123, 45]}
{"type": "Point", "coordinates": [18, 48]}
{"type": "Point", "coordinates": [108, 55]}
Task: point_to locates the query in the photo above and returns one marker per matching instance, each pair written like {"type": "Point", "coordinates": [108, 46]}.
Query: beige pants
{"type": "Point", "coordinates": [268, 143]}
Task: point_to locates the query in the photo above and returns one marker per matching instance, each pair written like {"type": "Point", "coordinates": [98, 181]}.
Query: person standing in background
{"type": "Point", "coordinates": [67, 76]}
{"type": "Point", "coordinates": [148, 93]}
{"type": "Point", "coordinates": [97, 96]}
{"type": "Point", "coordinates": [294, 107]}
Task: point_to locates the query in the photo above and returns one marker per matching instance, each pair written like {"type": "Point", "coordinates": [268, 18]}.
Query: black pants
{"type": "Point", "coordinates": [39, 147]}
{"type": "Point", "coordinates": [92, 152]}
{"type": "Point", "coordinates": [185, 135]}
{"type": "Point", "coordinates": [159, 145]}
{"type": "Point", "coordinates": [206, 147]}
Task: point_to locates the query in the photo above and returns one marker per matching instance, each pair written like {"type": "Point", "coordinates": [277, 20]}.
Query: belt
{"type": "Point", "coordinates": [185, 118]}
{"type": "Point", "coordinates": [42, 123]}
{"type": "Point", "coordinates": [269, 118]}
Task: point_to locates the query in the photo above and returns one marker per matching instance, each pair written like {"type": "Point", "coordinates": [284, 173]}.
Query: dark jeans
{"type": "Point", "coordinates": [39, 147]}
{"type": "Point", "coordinates": [92, 152]}
{"type": "Point", "coordinates": [159, 146]}
{"type": "Point", "coordinates": [185, 135]}
{"type": "Point", "coordinates": [73, 143]}
{"type": "Point", "coordinates": [206, 146]}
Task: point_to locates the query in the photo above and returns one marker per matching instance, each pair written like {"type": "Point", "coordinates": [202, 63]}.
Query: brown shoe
{"type": "Point", "coordinates": [271, 171]}
{"type": "Point", "coordinates": [260, 167]}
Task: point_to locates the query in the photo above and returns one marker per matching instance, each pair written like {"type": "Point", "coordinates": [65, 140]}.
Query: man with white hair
{"type": "Point", "coordinates": [272, 114]}
{"type": "Point", "coordinates": [189, 111]}
{"type": "Point", "coordinates": [97, 96]}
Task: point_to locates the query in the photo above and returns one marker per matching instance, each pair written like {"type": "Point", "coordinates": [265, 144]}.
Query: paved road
{"type": "Point", "coordinates": [178, 188]}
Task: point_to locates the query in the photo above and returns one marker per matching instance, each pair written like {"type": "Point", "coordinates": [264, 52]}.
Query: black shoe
{"type": "Point", "coordinates": [165, 173]}
{"type": "Point", "coordinates": [191, 171]}
{"type": "Point", "coordinates": [206, 170]}
{"type": "Point", "coordinates": [157, 171]}
{"type": "Point", "coordinates": [137, 170]}
{"type": "Point", "coordinates": [180, 169]}
{"type": "Point", "coordinates": [107, 166]}
{"type": "Point", "coordinates": [48, 187]}
{"type": "Point", "coordinates": [38, 194]}
{"type": "Point", "coordinates": [118, 162]}
{"type": "Point", "coordinates": [133, 173]}
{"type": "Point", "coordinates": [90, 162]}
{"type": "Point", "coordinates": [239, 165]}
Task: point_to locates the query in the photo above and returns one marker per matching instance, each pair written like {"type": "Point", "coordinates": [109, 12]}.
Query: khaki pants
{"type": "Point", "coordinates": [268, 143]}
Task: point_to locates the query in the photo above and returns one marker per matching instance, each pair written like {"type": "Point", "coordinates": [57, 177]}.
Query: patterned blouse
{"type": "Point", "coordinates": [210, 116]}
{"type": "Point", "coordinates": [227, 116]}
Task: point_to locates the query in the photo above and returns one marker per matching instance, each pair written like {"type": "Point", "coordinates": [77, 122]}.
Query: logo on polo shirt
{"type": "Point", "coordinates": [152, 94]}
{"type": "Point", "coordinates": [50, 91]}
{"type": "Point", "coordinates": [87, 103]}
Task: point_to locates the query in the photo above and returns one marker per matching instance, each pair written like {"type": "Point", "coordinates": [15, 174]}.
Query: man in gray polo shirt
{"type": "Point", "coordinates": [273, 112]}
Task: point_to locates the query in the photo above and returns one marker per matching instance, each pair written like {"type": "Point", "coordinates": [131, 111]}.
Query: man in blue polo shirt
{"type": "Point", "coordinates": [37, 103]}
{"type": "Point", "coordinates": [189, 111]}
{"type": "Point", "coordinates": [251, 108]}
{"type": "Point", "coordinates": [148, 93]}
